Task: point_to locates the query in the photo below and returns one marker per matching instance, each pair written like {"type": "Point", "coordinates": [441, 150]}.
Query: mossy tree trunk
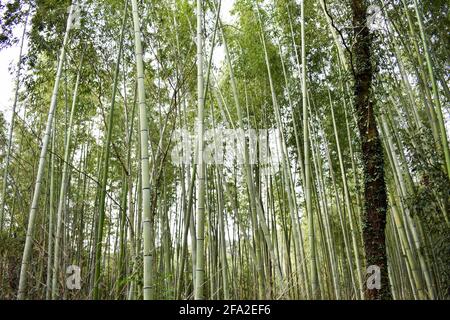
{"type": "Point", "coordinates": [375, 208]}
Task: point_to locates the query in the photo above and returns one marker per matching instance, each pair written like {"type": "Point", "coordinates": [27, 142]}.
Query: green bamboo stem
{"type": "Point", "coordinates": [11, 128]}
{"type": "Point", "coordinates": [148, 284]}
{"type": "Point", "coordinates": [37, 188]}
{"type": "Point", "coordinates": [63, 186]}
{"type": "Point", "coordinates": [105, 171]}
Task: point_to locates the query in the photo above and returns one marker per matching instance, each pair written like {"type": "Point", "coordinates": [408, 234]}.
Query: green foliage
{"type": "Point", "coordinates": [170, 80]}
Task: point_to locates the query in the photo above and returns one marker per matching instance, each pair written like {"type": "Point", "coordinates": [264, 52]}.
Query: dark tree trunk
{"type": "Point", "coordinates": [374, 216]}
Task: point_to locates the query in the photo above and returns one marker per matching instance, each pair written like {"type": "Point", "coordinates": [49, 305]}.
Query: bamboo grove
{"type": "Point", "coordinates": [358, 177]}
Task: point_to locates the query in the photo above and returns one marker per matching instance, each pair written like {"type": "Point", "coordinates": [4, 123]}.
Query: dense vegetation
{"type": "Point", "coordinates": [355, 192]}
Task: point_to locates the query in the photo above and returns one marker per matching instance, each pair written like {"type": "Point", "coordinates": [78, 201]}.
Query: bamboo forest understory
{"type": "Point", "coordinates": [234, 149]}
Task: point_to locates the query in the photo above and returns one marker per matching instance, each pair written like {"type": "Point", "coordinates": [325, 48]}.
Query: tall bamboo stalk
{"type": "Point", "coordinates": [437, 101]}
{"type": "Point", "coordinates": [145, 172]}
{"type": "Point", "coordinates": [37, 188]}
{"type": "Point", "coordinates": [63, 186]}
{"type": "Point", "coordinates": [105, 171]}
{"type": "Point", "coordinates": [307, 183]}
{"type": "Point", "coordinates": [200, 217]}
{"type": "Point", "coordinates": [11, 128]}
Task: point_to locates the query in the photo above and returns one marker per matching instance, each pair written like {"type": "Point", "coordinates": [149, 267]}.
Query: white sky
{"type": "Point", "coordinates": [8, 65]}
{"type": "Point", "coordinates": [225, 16]}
